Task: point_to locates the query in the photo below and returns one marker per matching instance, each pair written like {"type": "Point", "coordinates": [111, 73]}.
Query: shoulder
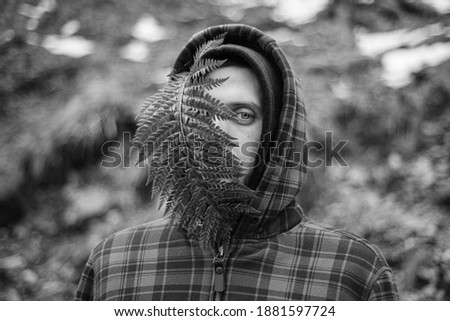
{"type": "Point", "coordinates": [133, 238]}
{"type": "Point", "coordinates": [360, 266]}
{"type": "Point", "coordinates": [341, 242]}
{"type": "Point", "coordinates": [345, 254]}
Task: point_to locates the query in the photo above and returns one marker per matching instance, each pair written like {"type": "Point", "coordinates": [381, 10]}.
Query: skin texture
{"type": "Point", "coordinates": [242, 94]}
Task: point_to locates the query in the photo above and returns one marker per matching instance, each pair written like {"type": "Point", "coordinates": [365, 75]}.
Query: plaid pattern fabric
{"type": "Point", "coordinates": [156, 262]}
{"type": "Point", "coordinates": [275, 255]}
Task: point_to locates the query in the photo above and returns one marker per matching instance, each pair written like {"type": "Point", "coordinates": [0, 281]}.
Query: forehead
{"type": "Point", "coordinates": [241, 86]}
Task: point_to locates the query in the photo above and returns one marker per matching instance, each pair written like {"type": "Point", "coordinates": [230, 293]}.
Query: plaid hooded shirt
{"type": "Point", "coordinates": [277, 254]}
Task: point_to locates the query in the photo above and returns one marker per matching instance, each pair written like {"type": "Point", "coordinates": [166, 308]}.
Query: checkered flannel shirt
{"type": "Point", "coordinates": [156, 262]}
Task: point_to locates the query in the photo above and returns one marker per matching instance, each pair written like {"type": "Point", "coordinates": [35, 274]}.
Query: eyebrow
{"type": "Point", "coordinates": [240, 104]}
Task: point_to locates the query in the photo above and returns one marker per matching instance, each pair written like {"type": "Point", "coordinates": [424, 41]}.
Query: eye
{"type": "Point", "coordinates": [245, 116]}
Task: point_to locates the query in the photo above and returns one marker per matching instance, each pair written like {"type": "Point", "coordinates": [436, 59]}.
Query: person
{"type": "Point", "coordinates": [277, 254]}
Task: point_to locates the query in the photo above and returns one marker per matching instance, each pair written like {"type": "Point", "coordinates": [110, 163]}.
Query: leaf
{"type": "Point", "coordinates": [206, 84]}
{"type": "Point", "coordinates": [189, 159]}
{"type": "Point", "coordinates": [203, 68]}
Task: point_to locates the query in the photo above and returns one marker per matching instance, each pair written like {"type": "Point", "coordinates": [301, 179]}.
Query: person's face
{"type": "Point", "coordinates": [242, 94]}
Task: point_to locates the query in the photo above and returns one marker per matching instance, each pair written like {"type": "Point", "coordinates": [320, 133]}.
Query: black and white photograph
{"type": "Point", "coordinates": [225, 150]}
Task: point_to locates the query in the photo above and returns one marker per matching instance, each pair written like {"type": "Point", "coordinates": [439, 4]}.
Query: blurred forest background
{"type": "Point", "coordinates": [74, 73]}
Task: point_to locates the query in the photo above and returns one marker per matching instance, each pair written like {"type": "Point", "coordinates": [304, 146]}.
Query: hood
{"type": "Point", "coordinates": [284, 170]}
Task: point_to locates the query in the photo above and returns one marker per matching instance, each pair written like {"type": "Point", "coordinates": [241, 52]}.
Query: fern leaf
{"type": "Point", "coordinates": [205, 47]}
{"type": "Point", "coordinates": [157, 138]}
{"type": "Point", "coordinates": [204, 67]}
{"type": "Point", "coordinates": [189, 157]}
{"type": "Point", "coordinates": [206, 84]}
{"type": "Point", "coordinates": [206, 105]}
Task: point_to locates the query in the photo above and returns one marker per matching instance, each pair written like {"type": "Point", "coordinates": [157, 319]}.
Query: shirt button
{"type": "Point", "coordinates": [219, 270]}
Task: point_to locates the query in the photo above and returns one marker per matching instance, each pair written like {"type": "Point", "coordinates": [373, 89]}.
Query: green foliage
{"type": "Point", "coordinates": [189, 158]}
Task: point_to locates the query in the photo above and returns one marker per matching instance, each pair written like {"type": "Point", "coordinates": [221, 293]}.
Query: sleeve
{"type": "Point", "coordinates": [384, 288]}
{"type": "Point", "coordinates": [85, 290]}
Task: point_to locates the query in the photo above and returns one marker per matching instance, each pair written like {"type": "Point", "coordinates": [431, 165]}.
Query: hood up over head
{"type": "Point", "coordinates": [281, 170]}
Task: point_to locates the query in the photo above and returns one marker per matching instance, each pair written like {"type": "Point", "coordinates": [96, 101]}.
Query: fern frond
{"type": "Point", "coordinates": [203, 102]}
{"type": "Point", "coordinates": [204, 67]}
{"type": "Point", "coordinates": [206, 84]}
{"type": "Point", "coordinates": [189, 157]}
{"type": "Point", "coordinates": [209, 133]}
{"type": "Point", "coordinates": [205, 47]}
{"type": "Point", "coordinates": [157, 138]}
{"type": "Point", "coordinates": [173, 186]}
{"type": "Point", "coordinates": [148, 104]}
{"type": "Point", "coordinates": [158, 118]}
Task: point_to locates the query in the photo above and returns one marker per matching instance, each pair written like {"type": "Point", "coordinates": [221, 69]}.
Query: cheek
{"type": "Point", "coordinates": [250, 134]}
{"type": "Point", "coordinates": [256, 132]}
{"type": "Point", "coordinates": [248, 138]}
{"type": "Point", "coordinates": [223, 125]}
{"type": "Point", "coordinates": [244, 134]}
